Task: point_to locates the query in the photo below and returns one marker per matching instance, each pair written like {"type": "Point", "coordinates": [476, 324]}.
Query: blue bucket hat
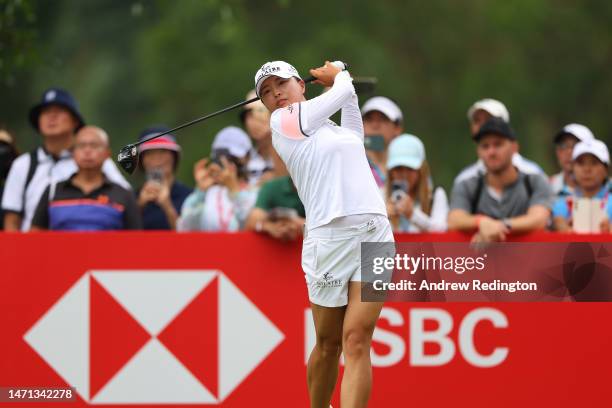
{"type": "Point", "coordinates": [407, 151]}
{"type": "Point", "coordinates": [56, 96]}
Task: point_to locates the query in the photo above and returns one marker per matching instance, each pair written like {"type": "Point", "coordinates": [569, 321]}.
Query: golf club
{"type": "Point", "coordinates": [128, 155]}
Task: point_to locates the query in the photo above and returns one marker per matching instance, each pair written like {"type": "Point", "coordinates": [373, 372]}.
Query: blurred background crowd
{"type": "Point", "coordinates": [485, 118]}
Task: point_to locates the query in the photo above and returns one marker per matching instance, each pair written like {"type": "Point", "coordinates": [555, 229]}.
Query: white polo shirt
{"type": "Point", "coordinates": [327, 162]}
{"type": "Point", "coordinates": [48, 171]}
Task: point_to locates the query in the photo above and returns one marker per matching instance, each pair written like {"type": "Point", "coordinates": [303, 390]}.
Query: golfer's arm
{"type": "Point", "coordinates": [317, 110]}
{"type": "Point", "coordinates": [351, 116]}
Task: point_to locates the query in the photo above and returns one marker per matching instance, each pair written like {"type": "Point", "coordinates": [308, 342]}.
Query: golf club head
{"type": "Point", "coordinates": [128, 158]}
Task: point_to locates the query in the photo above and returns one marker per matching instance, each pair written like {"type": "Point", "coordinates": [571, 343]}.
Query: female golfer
{"type": "Point", "coordinates": [344, 207]}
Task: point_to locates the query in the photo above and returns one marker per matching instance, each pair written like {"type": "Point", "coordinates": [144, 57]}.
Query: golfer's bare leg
{"type": "Point", "coordinates": [359, 322]}
{"type": "Point", "coordinates": [325, 357]}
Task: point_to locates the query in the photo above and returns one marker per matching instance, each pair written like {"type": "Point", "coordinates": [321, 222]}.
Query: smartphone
{"type": "Point", "coordinates": [155, 175]}
{"type": "Point", "coordinates": [375, 143]}
{"type": "Point", "coordinates": [216, 155]}
{"type": "Point", "coordinates": [399, 190]}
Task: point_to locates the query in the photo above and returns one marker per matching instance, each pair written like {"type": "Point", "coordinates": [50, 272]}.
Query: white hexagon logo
{"type": "Point", "coordinates": [154, 337]}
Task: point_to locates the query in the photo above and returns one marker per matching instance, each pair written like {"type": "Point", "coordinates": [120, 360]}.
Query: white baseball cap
{"type": "Point", "coordinates": [406, 150]}
{"type": "Point", "coordinates": [275, 68]}
{"type": "Point", "coordinates": [385, 106]}
{"type": "Point", "coordinates": [233, 139]}
{"type": "Point", "coordinates": [577, 130]}
{"type": "Point", "coordinates": [595, 147]}
{"type": "Point", "coordinates": [492, 106]}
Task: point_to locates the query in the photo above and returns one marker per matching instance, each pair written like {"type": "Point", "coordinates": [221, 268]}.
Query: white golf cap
{"type": "Point", "coordinates": [577, 130]}
{"type": "Point", "coordinates": [274, 68]}
{"type": "Point", "coordinates": [492, 106]}
{"type": "Point", "coordinates": [233, 139]}
{"type": "Point", "coordinates": [385, 106]}
{"type": "Point", "coordinates": [595, 147]}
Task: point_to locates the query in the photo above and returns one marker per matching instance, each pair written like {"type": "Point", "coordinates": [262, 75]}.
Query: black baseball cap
{"type": "Point", "coordinates": [495, 126]}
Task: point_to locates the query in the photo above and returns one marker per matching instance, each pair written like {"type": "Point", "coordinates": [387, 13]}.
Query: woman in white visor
{"type": "Point", "coordinates": [344, 207]}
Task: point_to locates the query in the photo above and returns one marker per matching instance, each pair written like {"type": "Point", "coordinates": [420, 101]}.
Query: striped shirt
{"type": "Point", "coordinates": [66, 207]}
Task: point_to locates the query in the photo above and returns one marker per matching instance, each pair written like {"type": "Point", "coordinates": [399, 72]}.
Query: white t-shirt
{"type": "Point", "coordinates": [327, 162]}
{"type": "Point", "coordinates": [421, 222]}
{"type": "Point", "coordinates": [216, 209]}
{"type": "Point", "coordinates": [48, 171]}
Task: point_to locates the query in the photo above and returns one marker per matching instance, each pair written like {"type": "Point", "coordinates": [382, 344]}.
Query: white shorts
{"type": "Point", "coordinates": [331, 258]}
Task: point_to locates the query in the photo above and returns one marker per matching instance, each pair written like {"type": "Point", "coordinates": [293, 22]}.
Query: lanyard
{"type": "Point", "coordinates": [379, 176]}
{"type": "Point", "coordinates": [223, 222]}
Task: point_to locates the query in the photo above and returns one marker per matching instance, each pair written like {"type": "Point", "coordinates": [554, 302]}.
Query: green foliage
{"type": "Point", "coordinates": [134, 64]}
{"type": "Point", "coordinates": [17, 35]}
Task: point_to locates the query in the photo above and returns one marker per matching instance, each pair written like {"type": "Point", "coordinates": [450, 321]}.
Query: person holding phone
{"type": "Point", "coordinates": [344, 208]}
{"type": "Point", "coordinates": [161, 196]}
{"type": "Point", "coordinates": [223, 198]}
{"type": "Point", "coordinates": [413, 204]}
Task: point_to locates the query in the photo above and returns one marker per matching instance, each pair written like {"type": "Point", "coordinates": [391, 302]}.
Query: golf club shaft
{"type": "Point", "coordinates": [210, 115]}
{"type": "Point", "coordinates": [339, 64]}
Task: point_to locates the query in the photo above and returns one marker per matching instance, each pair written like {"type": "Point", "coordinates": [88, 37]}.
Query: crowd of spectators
{"type": "Point", "coordinates": [69, 182]}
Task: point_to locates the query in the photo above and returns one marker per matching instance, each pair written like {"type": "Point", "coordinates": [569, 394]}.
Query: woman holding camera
{"type": "Point", "coordinates": [412, 204]}
{"type": "Point", "coordinates": [222, 198]}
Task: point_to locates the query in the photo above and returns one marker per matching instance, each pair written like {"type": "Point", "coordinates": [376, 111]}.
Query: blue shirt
{"type": "Point", "coordinates": [561, 207]}
{"type": "Point", "coordinates": [154, 218]}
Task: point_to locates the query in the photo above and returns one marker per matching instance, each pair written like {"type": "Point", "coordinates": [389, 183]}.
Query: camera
{"type": "Point", "coordinates": [217, 154]}
{"type": "Point", "coordinates": [399, 190]}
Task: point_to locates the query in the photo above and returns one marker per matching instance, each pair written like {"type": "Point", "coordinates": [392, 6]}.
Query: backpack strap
{"type": "Point", "coordinates": [528, 186]}
{"type": "Point", "coordinates": [476, 196]}
{"type": "Point", "coordinates": [30, 176]}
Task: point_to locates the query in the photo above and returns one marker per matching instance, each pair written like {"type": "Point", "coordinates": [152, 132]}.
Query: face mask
{"type": "Point", "coordinates": [7, 155]}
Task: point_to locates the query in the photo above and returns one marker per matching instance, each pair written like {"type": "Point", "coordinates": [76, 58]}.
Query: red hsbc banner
{"type": "Point", "coordinates": [164, 319]}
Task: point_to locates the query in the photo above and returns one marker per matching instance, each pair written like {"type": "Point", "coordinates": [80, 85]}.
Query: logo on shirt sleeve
{"type": "Point", "coordinates": [290, 125]}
